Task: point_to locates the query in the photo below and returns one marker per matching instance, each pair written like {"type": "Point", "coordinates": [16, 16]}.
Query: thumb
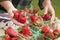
{"type": "Point", "coordinates": [10, 13]}
{"type": "Point", "coordinates": [45, 10]}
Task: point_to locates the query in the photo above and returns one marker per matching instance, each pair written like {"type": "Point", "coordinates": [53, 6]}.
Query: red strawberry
{"type": "Point", "coordinates": [22, 19]}
{"type": "Point", "coordinates": [35, 10]}
{"type": "Point", "coordinates": [46, 17]}
{"type": "Point", "coordinates": [40, 19]}
{"type": "Point", "coordinates": [30, 12]}
{"type": "Point", "coordinates": [26, 30]}
{"type": "Point", "coordinates": [30, 34]}
{"type": "Point", "coordinates": [56, 32]}
{"type": "Point", "coordinates": [11, 32]}
{"type": "Point", "coordinates": [27, 10]}
{"type": "Point", "coordinates": [52, 36]}
{"type": "Point", "coordinates": [46, 29]}
{"type": "Point", "coordinates": [16, 15]}
{"type": "Point", "coordinates": [21, 13]}
{"type": "Point", "coordinates": [7, 37]}
{"type": "Point", "coordinates": [33, 18]}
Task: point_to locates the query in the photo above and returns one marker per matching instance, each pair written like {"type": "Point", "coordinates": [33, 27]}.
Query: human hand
{"type": "Point", "coordinates": [49, 9]}
{"type": "Point", "coordinates": [11, 15]}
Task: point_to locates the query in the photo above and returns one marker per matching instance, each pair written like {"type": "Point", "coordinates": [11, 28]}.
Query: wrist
{"type": "Point", "coordinates": [13, 9]}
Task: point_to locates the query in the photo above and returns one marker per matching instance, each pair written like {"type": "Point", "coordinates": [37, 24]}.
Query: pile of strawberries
{"type": "Point", "coordinates": [52, 35]}
{"type": "Point", "coordinates": [10, 34]}
{"type": "Point", "coordinates": [22, 16]}
{"type": "Point", "coordinates": [26, 31]}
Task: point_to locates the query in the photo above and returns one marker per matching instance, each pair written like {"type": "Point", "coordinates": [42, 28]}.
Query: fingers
{"type": "Point", "coordinates": [45, 10]}
{"type": "Point", "coordinates": [51, 10]}
{"type": "Point", "coordinates": [11, 14]}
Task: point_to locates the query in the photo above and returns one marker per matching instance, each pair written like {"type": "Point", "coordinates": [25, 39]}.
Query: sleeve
{"type": "Point", "coordinates": [3, 0]}
{"type": "Point", "coordinates": [40, 4]}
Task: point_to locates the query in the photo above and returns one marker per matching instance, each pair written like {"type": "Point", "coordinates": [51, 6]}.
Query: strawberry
{"type": "Point", "coordinates": [21, 13]}
{"type": "Point", "coordinates": [40, 19]}
{"type": "Point", "coordinates": [22, 19]}
{"type": "Point", "coordinates": [46, 29]}
{"type": "Point", "coordinates": [27, 10]}
{"type": "Point", "coordinates": [35, 10]}
{"type": "Point", "coordinates": [33, 18]}
{"type": "Point", "coordinates": [56, 32]}
{"type": "Point", "coordinates": [16, 15]}
{"type": "Point", "coordinates": [7, 37]}
{"type": "Point", "coordinates": [46, 17]}
{"type": "Point", "coordinates": [30, 12]}
{"type": "Point", "coordinates": [52, 36]}
{"type": "Point", "coordinates": [26, 30]}
{"type": "Point", "coordinates": [11, 32]}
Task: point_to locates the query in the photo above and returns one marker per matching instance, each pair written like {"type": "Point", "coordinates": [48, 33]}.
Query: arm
{"type": "Point", "coordinates": [48, 8]}
{"type": "Point", "coordinates": [10, 8]}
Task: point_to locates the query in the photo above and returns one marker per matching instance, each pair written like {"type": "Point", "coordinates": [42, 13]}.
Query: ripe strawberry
{"type": "Point", "coordinates": [40, 19]}
{"type": "Point", "coordinates": [26, 30]}
{"type": "Point", "coordinates": [7, 37]}
{"type": "Point", "coordinates": [30, 12]}
{"type": "Point", "coordinates": [27, 10]}
{"type": "Point", "coordinates": [46, 29]}
{"type": "Point", "coordinates": [52, 36]}
{"type": "Point", "coordinates": [46, 17]}
{"type": "Point", "coordinates": [33, 18]}
{"type": "Point", "coordinates": [21, 13]}
{"type": "Point", "coordinates": [11, 32]}
{"type": "Point", "coordinates": [22, 19]}
{"type": "Point", "coordinates": [16, 15]}
{"type": "Point", "coordinates": [56, 32]}
{"type": "Point", "coordinates": [35, 10]}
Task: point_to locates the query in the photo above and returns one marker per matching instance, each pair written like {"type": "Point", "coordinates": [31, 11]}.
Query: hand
{"type": "Point", "coordinates": [49, 9]}
{"type": "Point", "coordinates": [11, 14]}
{"type": "Point", "coordinates": [9, 7]}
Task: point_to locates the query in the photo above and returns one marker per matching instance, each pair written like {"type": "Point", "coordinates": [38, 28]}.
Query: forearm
{"type": "Point", "coordinates": [7, 5]}
{"type": "Point", "coordinates": [47, 3]}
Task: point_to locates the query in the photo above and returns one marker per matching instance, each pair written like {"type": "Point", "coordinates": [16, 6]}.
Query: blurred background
{"type": "Point", "coordinates": [55, 3]}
